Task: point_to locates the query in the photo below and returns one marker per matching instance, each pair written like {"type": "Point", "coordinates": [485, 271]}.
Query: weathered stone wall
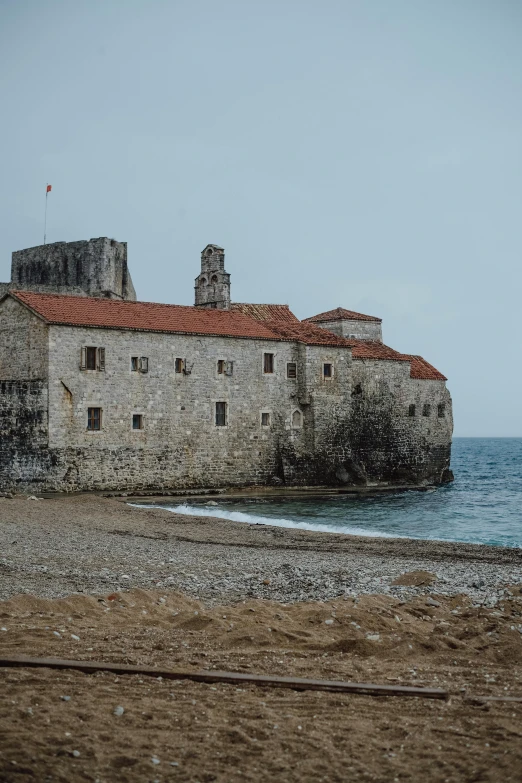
{"type": "Point", "coordinates": [179, 444]}
{"type": "Point", "coordinates": [97, 267]}
{"type": "Point", "coordinates": [25, 460]}
{"type": "Point", "coordinates": [387, 444]}
{"type": "Point", "coordinates": [360, 330]}
{"type": "Point", "coordinates": [24, 345]}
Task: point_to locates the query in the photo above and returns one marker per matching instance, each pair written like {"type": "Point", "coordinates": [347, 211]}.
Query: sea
{"type": "Point", "coordinates": [482, 506]}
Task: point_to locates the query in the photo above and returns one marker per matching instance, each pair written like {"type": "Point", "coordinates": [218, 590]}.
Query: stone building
{"type": "Point", "coordinates": [99, 391]}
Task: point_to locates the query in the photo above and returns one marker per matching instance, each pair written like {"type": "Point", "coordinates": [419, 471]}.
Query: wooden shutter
{"type": "Point", "coordinates": [83, 359]}
{"type": "Point", "coordinates": [229, 368]}
{"type": "Point", "coordinates": [101, 359]}
{"type": "Point", "coordinates": [144, 364]}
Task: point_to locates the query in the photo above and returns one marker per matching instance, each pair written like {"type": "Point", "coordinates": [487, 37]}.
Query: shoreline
{"type": "Point", "coordinates": [93, 545]}
{"type": "Point", "coordinates": [310, 527]}
{"type": "Point", "coordinates": [209, 497]}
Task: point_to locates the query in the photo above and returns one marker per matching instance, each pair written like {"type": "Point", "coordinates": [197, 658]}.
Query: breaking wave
{"type": "Point", "coordinates": [254, 519]}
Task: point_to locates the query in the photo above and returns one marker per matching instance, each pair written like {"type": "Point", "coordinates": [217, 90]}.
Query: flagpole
{"type": "Point", "coordinates": [45, 219]}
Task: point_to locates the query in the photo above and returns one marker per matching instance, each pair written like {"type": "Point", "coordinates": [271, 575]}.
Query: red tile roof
{"type": "Point", "coordinates": [340, 314]}
{"type": "Point", "coordinates": [143, 316]}
{"type": "Point", "coordinates": [423, 370]}
{"type": "Point", "coordinates": [180, 319]}
{"type": "Point", "coordinates": [372, 349]}
{"type": "Point", "coordinates": [265, 312]}
{"type": "Point", "coordinates": [309, 334]}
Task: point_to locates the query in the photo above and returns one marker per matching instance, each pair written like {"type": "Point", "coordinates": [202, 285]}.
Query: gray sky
{"type": "Point", "coordinates": [363, 153]}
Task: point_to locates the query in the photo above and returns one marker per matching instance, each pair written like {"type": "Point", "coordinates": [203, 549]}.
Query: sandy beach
{"type": "Point", "coordinates": [94, 578]}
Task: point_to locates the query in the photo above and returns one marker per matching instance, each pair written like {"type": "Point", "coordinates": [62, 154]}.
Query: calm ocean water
{"type": "Point", "coordinates": [483, 505]}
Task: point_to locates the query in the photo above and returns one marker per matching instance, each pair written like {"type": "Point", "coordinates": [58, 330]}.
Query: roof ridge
{"type": "Point", "coordinates": [339, 313]}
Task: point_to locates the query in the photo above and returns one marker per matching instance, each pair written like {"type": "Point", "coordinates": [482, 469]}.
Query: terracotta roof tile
{"type": "Point", "coordinates": [423, 370]}
{"type": "Point", "coordinates": [265, 312]}
{"type": "Point", "coordinates": [306, 333]}
{"type": "Point", "coordinates": [372, 349]}
{"type": "Point", "coordinates": [341, 314]}
{"type": "Point", "coordinates": [143, 316]}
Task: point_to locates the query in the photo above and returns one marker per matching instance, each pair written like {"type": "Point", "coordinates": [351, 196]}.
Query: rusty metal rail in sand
{"type": "Point", "coordinates": [233, 678]}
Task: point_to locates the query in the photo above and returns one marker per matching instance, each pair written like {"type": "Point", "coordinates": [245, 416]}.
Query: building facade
{"type": "Point", "coordinates": [103, 392]}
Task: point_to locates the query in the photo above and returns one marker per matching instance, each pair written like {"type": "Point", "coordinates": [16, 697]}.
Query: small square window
{"type": "Point", "coordinates": [268, 363]}
{"type": "Point", "coordinates": [411, 410]}
{"type": "Point", "coordinates": [179, 365]}
{"type": "Point", "coordinates": [265, 420]}
{"type": "Point", "coordinates": [221, 366]}
{"type": "Point", "coordinates": [134, 363]}
{"type": "Point", "coordinates": [327, 370]}
{"type": "Point", "coordinates": [137, 421]}
{"type": "Point", "coordinates": [90, 358]}
{"type": "Point", "coordinates": [94, 416]}
{"type": "Point", "coordinates": [291, 370]}
{"type": "Point", "coordinates": [441, 410]}
{"type": "Point", "coordinates": [426, 409]}
{"type": "Point", "coordinates": [221, 414]}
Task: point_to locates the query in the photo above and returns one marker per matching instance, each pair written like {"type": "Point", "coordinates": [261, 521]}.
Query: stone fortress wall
{"type": "Point", "coordinates": [94, 267]}
{"type": "Point", "coordinates": [355, 427]}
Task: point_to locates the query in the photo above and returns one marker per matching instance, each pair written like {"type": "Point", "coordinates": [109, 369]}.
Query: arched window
{"type": "Point", "coordinates": [203, 281]}
{"type": "Point", "coordinates": [297, 420]}
{"type": "Point", "coordinates": [213, 279]}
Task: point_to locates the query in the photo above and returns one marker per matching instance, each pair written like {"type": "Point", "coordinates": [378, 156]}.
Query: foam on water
{"type": "Point", "coordinates": [253, 519]}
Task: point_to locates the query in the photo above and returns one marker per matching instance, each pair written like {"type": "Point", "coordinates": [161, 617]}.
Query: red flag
{"type": "Point", "coordinates": [49, 188]}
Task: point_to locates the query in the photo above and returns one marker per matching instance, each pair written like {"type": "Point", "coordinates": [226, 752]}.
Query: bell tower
{"type": "Point", "coordinates": [212, 288]}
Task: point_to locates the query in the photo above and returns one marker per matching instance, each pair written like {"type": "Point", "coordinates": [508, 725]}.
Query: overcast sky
{"type": "Point", "coordinates": [363, 153]}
